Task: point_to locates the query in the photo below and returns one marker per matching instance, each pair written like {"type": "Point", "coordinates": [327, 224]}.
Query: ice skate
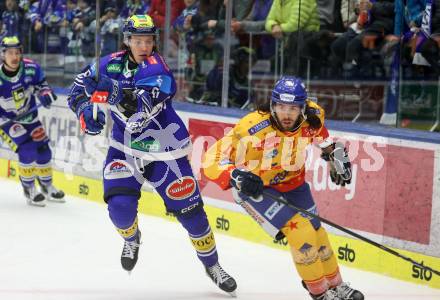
{"type": "Point", "coordinates": [130, 253]}
{"type": "Point", "coordinates": [52, 193]}
{"type": "Point", "coordinates": [222, 279]}
{"type": "Point", "coordinates": [34, 197]}
{"type": "Point", "coordinates": [328, 295]}
{"type": "Point", "coordinates": [345, 292]}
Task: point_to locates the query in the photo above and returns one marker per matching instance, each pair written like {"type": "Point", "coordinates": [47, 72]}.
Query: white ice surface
{"type": "Point", "coordinates": [71, 251]}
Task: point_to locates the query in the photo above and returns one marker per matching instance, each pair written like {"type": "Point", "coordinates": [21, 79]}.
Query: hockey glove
{"type": "Point", "coordinates": [105, 84]}
{"type": "Point", "coordinates": [88, 124]}
{"type": "Point", "coordinates": [247, 183]}
{"type": "Point", "coordinates": [340, 166]}
{"type": "Point", "coordinates": [46, 97]}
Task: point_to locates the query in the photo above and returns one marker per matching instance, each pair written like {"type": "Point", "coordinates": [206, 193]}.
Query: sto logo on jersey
{"type": "Point", "coordinates": [38, 134]}
{"type": "Point", "coordinates": [181, 188]}
{"type": "Point", "coordinates": [117, 169]}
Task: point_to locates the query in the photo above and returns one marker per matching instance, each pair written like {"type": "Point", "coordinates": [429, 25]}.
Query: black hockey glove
{"type": "Point", "coordinates": [247, 183]}
{"type": "Point", "coordinates": [340, 166]}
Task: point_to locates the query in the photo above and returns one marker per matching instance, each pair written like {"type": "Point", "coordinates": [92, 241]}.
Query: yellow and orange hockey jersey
{"type": "Point", "coordinates": [255, 145]}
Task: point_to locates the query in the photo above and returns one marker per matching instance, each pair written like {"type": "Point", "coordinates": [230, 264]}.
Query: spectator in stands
{"type": "Point", "coordinates": [10, 20]}
{"type": "Point", "coordinates": [265, 45]}
{"type": "Point", "coordinates": [363, 56]}
{"type": "Point", "coordinates": [240, 11]}
{"type": "Point", "coordinates": [205, 54]}
{"type": "Point", "coordinates": [47, 18]}
{"type": "Point", "coordinates": [294, 21]}
{"type": "Point", "coordinates": [354, 25]}
{"type": "Point", "coordinates": [208, 11]}
{"type": "Point", "coordinates": [157, 11]}
{"type": "Point", "coordinates": [430, 47]}
{"type": "Point", "coordinates": [182, 24]}
{"type": "Point", "coordinates": [110, 31]}
{"type": "Point", "coordinates": [135, 7]}
{"type": "Point", "coordinates": [329, 12]}
{"type": "Point", "coordinates": [238, 81]}
{"type": "Point", "coordinates": [81, 27]}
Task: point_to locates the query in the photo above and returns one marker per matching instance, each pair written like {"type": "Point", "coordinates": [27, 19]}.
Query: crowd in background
{"type": "Point", "coordinates": [324, 39]}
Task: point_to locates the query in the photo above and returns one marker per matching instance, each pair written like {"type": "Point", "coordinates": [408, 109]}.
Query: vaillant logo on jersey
{"type": "Point", "coordinates": [38, 134]}
{"type": "Point", "coordinates": [117, 169]}
{"type": "Point", "coordinates": [181, 188]}
{"type": "Point", "coordinates": [114, 68]}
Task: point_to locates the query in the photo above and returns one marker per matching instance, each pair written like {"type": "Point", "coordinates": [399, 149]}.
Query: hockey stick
{"type": "Point", "coordinates": [16, 119]}
{"type": "Point", "coordinates": [98, 96]}
{"type": "Point", "coordinates": [371, 242]}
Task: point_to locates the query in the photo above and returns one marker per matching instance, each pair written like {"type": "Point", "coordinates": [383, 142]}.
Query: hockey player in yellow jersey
{"type": "Point", "coordinates": [265, 152]}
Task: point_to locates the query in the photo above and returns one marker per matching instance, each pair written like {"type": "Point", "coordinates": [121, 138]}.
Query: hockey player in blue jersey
{"type": "Point", "coordinates": [148, 142]}
{"type": "Point", "coordinates": [21, 82]}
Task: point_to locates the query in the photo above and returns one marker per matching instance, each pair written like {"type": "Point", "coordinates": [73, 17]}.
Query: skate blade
{"type": "Point", "coordinates": [37, 204]}
{"type": "Point", "coordinates": [233, 294]}
{"type": "Point", "coordinates": [56, 200]}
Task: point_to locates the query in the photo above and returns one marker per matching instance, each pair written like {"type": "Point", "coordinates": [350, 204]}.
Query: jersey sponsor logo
{"type": "Point", "coordinates": [308, 132]}
{"type": "Point", "coordinates": [29, 71]}
{"type": "Point", "coordinates": [181, 188]}
{"type": "Point", "coordinates": [116, 54]}
{"type": "Point", "coordinates": [38, 134]}
{"type": "Point", "coordinates": [117, 169]}
{"type": "Point", "coordinates": [16, 130]}
{"type": "Point", "coordinates": [146, 146]}
{"type": "Point", "coordinates": [19, 97]}
{"type": "Point", "coordinates": [273, 210]}
{"type": "Point", "coordinates": [204, 244]}
{"type": "Point", "coordinates": [260, 126]}
{"type": "Point", "coordinates": [114, 68]}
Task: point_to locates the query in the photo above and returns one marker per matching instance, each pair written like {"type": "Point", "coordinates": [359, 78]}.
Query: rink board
{"type": "Point", "coordinates": [350, 252]}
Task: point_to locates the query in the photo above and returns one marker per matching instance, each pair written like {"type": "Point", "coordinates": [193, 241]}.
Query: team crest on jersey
{"type": "Point", "coordinates": [38, 134]}
{"type": "Point", "coordinates": [16, 131]}
{"type": "Point", "coordinates": [260, 126]}
{"type": "Point", "coordinates": [117, 169]}
{"type": "Point", "coordinates": [181, 188]}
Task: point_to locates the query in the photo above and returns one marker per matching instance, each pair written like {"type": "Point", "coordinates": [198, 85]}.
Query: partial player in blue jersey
{"type": "Point", "coordinates": [21, 82]}
{"type": "Point", "coordinates": [148, 143]}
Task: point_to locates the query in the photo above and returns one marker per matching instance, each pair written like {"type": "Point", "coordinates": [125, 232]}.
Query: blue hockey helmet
{"type": "Point", "coordinates": [138, 25]}
{"type": "Point", "coordinates": [289, 90]}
